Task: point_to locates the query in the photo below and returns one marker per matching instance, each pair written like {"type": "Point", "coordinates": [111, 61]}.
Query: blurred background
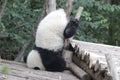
{"type": "Point", "coordinates": [99, 23]}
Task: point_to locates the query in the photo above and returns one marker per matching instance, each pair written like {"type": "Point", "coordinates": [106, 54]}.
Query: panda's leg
{"type": "Point", "coordinates": [36, 68]}
{"type": "Point", "coordinates": [54, 63]}
{"type": "Point", "coordinates": [25, 60]}
{"type": "Point", "coordinates": [34, 60]}
{"type": "Point", "coordinates": [71, 28]}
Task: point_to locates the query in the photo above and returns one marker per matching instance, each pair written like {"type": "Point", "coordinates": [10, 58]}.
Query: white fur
{"type": "Point", "coordinates": [34, 60]}
{"type": "Point", "coordinates": [50, 31]}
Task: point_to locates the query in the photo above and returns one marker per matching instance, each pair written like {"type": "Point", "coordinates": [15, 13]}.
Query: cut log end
{"type": "Point", "coordinates": [80, 9]}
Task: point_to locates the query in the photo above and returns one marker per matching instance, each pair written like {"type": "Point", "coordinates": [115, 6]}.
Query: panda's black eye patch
{"type": "Point", "coordinates": [71, 28]}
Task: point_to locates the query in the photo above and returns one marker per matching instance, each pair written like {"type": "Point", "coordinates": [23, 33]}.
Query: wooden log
{"type": "Point", "coordinates": [92, 68]}
{"type": "Point", "coordinates": [19, 71]}
{"type": "Point", "coordinates": [85, 67]}
{"type": "Point", "coordinates": [68, 7]}
{"type": "Point", "coordinates": [79, 72]}
{"type": "Point", "coordinates": [80, 9]}
{"type": "Point", "coordinates": [50, 5]}
{"type": "Point", "coordinates": [97, 52]}
{"type": "Point", "coordinates": [2, 8]}
{"type": "Point", "coordinates": [112, 67]}
{"type": "Point", "coordinates": [67, 55]}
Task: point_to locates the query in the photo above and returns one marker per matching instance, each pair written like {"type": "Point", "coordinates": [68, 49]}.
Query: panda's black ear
{"type": "Point", "coordinates": [71, 28]}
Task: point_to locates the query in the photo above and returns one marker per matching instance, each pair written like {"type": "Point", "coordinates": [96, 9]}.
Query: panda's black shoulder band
{"type": "Point", "coordinates": [42, 50]}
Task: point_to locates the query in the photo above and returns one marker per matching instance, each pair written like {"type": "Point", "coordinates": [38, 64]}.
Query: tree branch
{"type": "Point", "coordinates": [77, 16]}
{"type": "Point", "coordinates": [2, 9]}
{"type": "Point", "coordinates": [25, 46]}
{"type": "Point", "coordinates": [68, 7]}
{"type": "Point", "coordinates": [80, 9]}
{"type": "Point", "coordinates": [50, 5]}
{"type": "Point", "coordinates": [68, 55]}
{"type": "Point", "coordinates": [46, 9]}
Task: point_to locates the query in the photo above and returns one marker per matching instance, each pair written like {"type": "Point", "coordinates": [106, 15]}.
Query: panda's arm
{"type": "Point", "coordinates": [71, 28]}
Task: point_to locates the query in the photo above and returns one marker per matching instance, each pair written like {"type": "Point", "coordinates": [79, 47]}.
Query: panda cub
{"type": "Point", "coordinates": [49, 42]}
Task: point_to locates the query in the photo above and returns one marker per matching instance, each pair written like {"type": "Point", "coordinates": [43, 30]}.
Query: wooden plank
{"type": "Point", "coordinates": [19, 71]}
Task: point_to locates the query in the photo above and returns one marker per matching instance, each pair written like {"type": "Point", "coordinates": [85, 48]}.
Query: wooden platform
{"type": "Point", "coordinates": [19, 71]}
{"type": "Point", "coordinates": [98, 51]}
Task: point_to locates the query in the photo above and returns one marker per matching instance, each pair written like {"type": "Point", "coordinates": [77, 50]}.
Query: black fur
{"type": "Point", "coordinates": [71, 28]}
{"type": "Point", "coordinates": [70, 47]}
{"type": "Point", "coordinates": [52, 61]}
{"type": "Point", "coordinates": [42, 50]}
{"type": "Point", "coordinates": [36, 68]}
{"type": "Point", "coordinates": [25, 58]}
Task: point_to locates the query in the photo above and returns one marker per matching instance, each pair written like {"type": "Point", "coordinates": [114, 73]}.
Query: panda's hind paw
{"type": "Point", "coordinates": [36, 68]}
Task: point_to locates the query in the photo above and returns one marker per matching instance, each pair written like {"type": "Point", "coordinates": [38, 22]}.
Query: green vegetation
{"type": "Point", "coordinates": [99, 23]}
{"type": "Point", "coordinates": [5, 70]}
